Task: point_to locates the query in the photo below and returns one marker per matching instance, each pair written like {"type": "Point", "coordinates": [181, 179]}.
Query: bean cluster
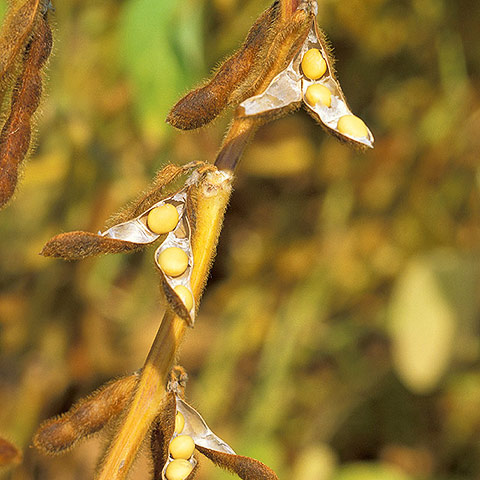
{"type": "Point", "coordinates": [180, 461]}
{"type": "Point", "coordinates": [314, 67]}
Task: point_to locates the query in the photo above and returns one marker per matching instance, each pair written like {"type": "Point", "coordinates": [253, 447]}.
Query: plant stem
{"type": "Point", "coordinates": [147, 401]}
{"type": "Point", "coordinates": [241, 131]}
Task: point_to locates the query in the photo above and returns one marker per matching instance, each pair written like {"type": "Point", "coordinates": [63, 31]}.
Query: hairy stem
{"type": "Point", "coordinates": [147, 402]}
{"type": "Point", "coordinates": [240, 133]}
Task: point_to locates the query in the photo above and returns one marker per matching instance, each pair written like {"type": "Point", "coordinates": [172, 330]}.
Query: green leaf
{"type": "Point", "coordinates": [159, 54]}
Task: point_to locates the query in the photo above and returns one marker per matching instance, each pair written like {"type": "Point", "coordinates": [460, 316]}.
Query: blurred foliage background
{"type": "Point", "coordinates": [339, 335]}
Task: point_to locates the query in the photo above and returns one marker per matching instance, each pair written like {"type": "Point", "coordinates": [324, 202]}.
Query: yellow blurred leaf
{"type": "Point", "coordinates": [422, 323]}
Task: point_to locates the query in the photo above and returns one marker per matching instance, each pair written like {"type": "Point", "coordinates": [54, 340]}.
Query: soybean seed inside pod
{"type": "Point", "coordinates": [178, 469]}
{"type": "Point", "coordinates": [173, 261]}
{"type": "Point", "coordinates": [179, 422]}
{"type": "Point", "coordinates": [182, 446]}
{"type": "Point", "coordinates": [185, 296]}
{"type": "Point", "coordinates": [314, 65]}
{"type": "Point", "coordinates": [162, 219]}
{"type": "Point", "coordinates": [352, 126]}
{"type": "Point", "coordinates": [318, 94]}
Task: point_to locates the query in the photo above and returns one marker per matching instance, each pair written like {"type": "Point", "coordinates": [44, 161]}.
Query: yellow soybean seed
{"type": "Point", "coordinates": [178, 469]}
{"type": "Point", "coordinates": [314, 65]}
{"type": "Point", "coordinates": [352, 126]}
{"type": "Point", "coordinates": [318, 93]}
{"type": "Point", "coordinates": [162, 219]}
{"type": "Point", "coordinates": [182, 446]}
{"type": "Point", "coordinates": [179, 422]}
{"type": "Point", "coordinates": [173, 261]}
{"type": "Point", "coordinates": [185, 296]}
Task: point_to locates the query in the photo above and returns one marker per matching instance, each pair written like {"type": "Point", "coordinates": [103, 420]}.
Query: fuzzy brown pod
{"type": "Point", "coordinates": [171, 218]}
{"type": "Point", "coordinates": [202, 105]}
{"type": "Point", "coordinates": [162, 431]}
{"type": "Point", "coordinates": [16, 30]}
{"type": "Point", "coordinates": [309, 79]}
{"type": "Point", "coordinates": [16, 132]}
{"type": "Point", "coordinates": [131, 232]}
{"type": "Point", "coordinates": [9, 453]}
{"type": "Point", "coordinates": [86, 417]}
{"type": "Point", "coordinates": [124, 237]}
{"type": "Point", "coordinates": [78, 245]}
{"type": "Point", "coordinates": [245, 467]}
{"type": "Point", "coordinates": [162, 186]}
{"type": "Point", "coordinates": [267, 50]}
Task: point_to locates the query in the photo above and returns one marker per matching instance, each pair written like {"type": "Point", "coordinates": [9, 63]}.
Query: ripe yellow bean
{"type": "Point", "coordinates": [314, 65]}
{"type": "Point", "coordinates": [182, 446]}
{"type": "Point", "coordinates": [352, 126]}
{"type": "Point", "coordinates": [179, 422]}
{"type": "Point", "coordinates": [173, 261]}
{"type": "Point", "coordinates": [185, 296]}
{"type": "Point", "coordinates": [162, 219]}
{"type": "Point", "coordinates": [318, 93]}
{"type": "Point", "coordinates": [178, 469]}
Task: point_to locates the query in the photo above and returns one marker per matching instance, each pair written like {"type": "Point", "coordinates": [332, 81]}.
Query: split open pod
{"type": "Point", "coordinates": [179, 221]}
{"type": "Point", "coordinates": [309, 79]}
{"type": "Point", "coordinates": [284, 62]}
{"type": "Point", "coordinates": [181, 433]}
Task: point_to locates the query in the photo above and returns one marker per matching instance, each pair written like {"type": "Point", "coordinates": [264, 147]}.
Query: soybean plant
{"type": "Point", "coordinates": [283, 64]}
